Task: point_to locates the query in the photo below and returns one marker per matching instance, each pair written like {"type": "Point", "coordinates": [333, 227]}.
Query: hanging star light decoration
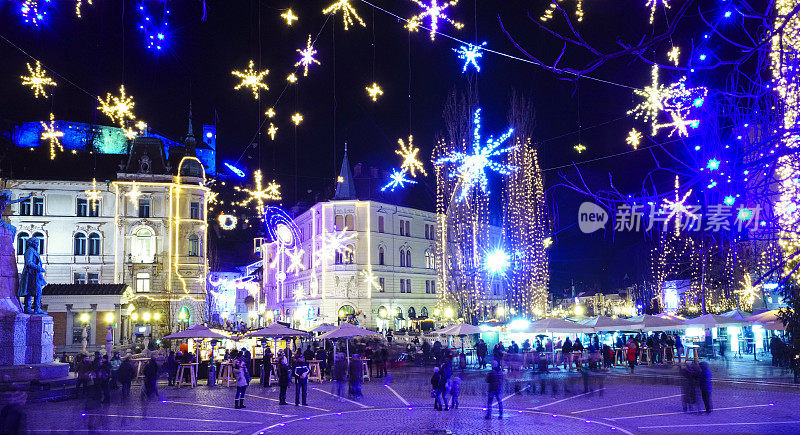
{"type": "Point", "coordinates": [408, 152]}
{"type": "Point", "coordinates": [673, 55]}
{"type": "Point", "coordinates": [52, 136]}
{"type": "Point", "coordinates": [270, 113]}
{"type": "Point", "coordinates": [469, 54]}
{"type": "Point", "coordinates": [31, 13]}
{"type": "Point", "coordinates": [374, 91]}
{"type": "Point", "coordinates": [334, 242]}
{"type": "Point", "coordinates": [548, 13]}
{"type": "Point", "coordinates": [307, 57]}
{"type": "Point", "coordinates": [433, 12]}
{"type": "Point", "coordinates": [679, 124]}
{"type": "Point", "coordinates": [397, 179]}
{"type": "Point", "coordinates": [748, 292]}
{"type": "Point", "coordinates": [297, 118]}
{"type": "Point", "coordinates": [259, 194]}
{"type": "Point", "coordinates": [134, 193]}
{"type": "Point", "coordinates": [471, 168]}
{"type": "Point", "coordinates": [272, 130]}
{"type": "Point", "coordinates": [653, 4]}
{"type": "Point", "coordinates": [251, 79]}
{"type": "Point", "coordinates": [348, 13]}
{"type": "Point", "coordinates": [678, 208]}
{"type": "Point", "coordinates": [634, 138]}
{"type": "Point", "coordinates": [676, 99]}
{"type": "Point", "coordinates": [289, 16]}
{"type": "Point", "coordinates": [37, 80]}
{"type": "Point", "coordinates": [119, 109]}
{"type": "Point", "coordinates": [295, 258]}
{"type": "Point", "coordinates": [370, 279]}
{"type": "Point", "coordinates": [93, 195]}
{"type": "Point", "coordinates": [580, 148]}
{"type": "Point", "coordinates": [291, 78]}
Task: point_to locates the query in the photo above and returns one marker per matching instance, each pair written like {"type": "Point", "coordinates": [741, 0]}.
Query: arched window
{"type": "Point", "coordinates": [39, 236]}
{"type": "Point", "coordinates": [429, 259]}
{"type": "Point", "coordinates": [423, 312]}
{"type": "Point", "coordinates": [338, 258]}
{"type": "Point", "coordinates": [142, 246]}
{"type": "Point", "coordinates": [94, 244]}
{"type": "Point", "coordinates": [350, 254]}
{"type": "Point", "coordinates": [194, 245]}
{"type": "Point", "coordinates": [381, 256]}
{"type": "Point", "coordinates": [22, 239]}
{"type": "Point", "coordinates": [402, 257]}
{"type": "Point", "coordinates": [79, 247]}
{"type": "Point", "coordinates": [412, 314]}
{"type": "Point", "coordinates": [408, 258]}
{"type": "Point", "coordinates": [349, 222]}
{"type": "Point", "coordinates": [338, 222]}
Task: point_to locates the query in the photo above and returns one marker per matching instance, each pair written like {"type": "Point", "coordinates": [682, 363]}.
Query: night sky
{"type": "Point", "coordinates": [106, 49]}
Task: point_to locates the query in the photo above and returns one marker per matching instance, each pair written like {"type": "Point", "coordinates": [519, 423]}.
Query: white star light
{"type": "Point", "coordinates": [370, 279]}
{"type": "Point", "coordinates": [397, 179]}
{"type": "Point", "coordinates": [434, 12]}
{"type": "Point", "coordinates": [472, 168]}
{"type": "Point", "coordinates": [332, 243]}
{"type": "Point", "coordinates": [469, 54]}
{"type": "Point", "coordinates": [295, 258]}
{"type": "Point", "coordinates": [252, 79]}
{"type": "Point", "coordinates": [678, 208]}
{"type": "Point", "coordinates": [93, 195]}
{"type": "Point", "coordinates": [307, 57]}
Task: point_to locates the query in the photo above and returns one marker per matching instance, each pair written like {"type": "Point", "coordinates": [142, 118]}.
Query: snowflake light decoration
{"type": "Point", "coordinates": [119, 109]}
{"type": "Point", "coordinates": [307, 56]}
{"type": "Point", "coordinates": [634, 138]}
{"type": "Point", "coordinates": [469, 54]}
{"type": "Point", "coordinates": [297, 118]}
{"type": "Point", "coordinates": [409, 154]}
{"type": "Point", "coordinates": [270, 112]}
{"type": "Point", "coordinates": [580, 148]}
{"type": "Point", "coordinates": [370, 279]}
{"type": "Point", "coordinates": [334, 242]}
{"type": "Point", "coordinates": [37, 80]}
{"type": "Point", "coordinates": [471, 168]}
{"type": "Point", "coordinates": [673, 55]}
{"type": "Point", "coordinates": [676, 99]}
{"type": "Point", "coordinates": [653, 4]}
{"type": "Point", "coordinates": [433, 12]}
{"type": "Point", "coordinates": [134, 193]}
{"type": "Point", "coordinates": [272, 130]}
{"type": "Point", "coordinates": [374, 91]}
{"type": "Point", "coordinates": [678, 208]}
{"type": "Point", "coordinates": [260, 193]}
{"type": "Point", "coordinates": [548, 13]}
{"type": "Point", "coordinates": [295, 258]}
{"type": "Point", "coordinates": [397, 179]}
{"type": "Point", "coordinates": [678, 124]}
{"type": "Point", "coordinates": [52, 136]}
{"type": "Point", "coordinates": [748, 292]}
{"type": "Point", "coordinates": [289, 16]}
{"type": "Point", "coordinates": [291, 78]}
{"type": "Point", "coordinates": [348, 13]}
{"type": "Point", "coordinates": [251, 79]}
{"type": "Point", "coordinates": [94, 194]}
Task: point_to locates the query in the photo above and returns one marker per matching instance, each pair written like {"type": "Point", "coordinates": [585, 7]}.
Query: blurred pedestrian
{"type": "Point", "coordinates": [104, 379]}
{"type": "Point", "coordinates": [283, 377]}
{"type": "Point", "coordinates": [455, 391]}
{"type": "Point", "coordinates": [704, 377]}
{"type": "Point", "coordinates": [171, 367]}
{"type": "Point", "coordinates": [300, 381]}
{"type": "Point", "coordinates": [481, 350]}
{"type": "Point", "coordinates": [495, 383]}
{"type": "Point", "coordinates": [339, 374]}
{"type": "Point", "coordinates": [356, 372]}
{"type": "Point", "coordinates": [688, 391]}
{"type": "Point", "coordinates": [435, 392]}
{"type": "Point", "coordinates": [150, 385]}
{"type": "Point", "coordinates": [240, 371]}
{"type": "Point", "coordinates": [630, 353]}
{"type": "Point", "coordinates": [125, 375]}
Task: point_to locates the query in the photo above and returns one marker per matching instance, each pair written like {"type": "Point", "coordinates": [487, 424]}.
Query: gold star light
{"type": "Point", "coordinates": [307, 57]}
{"type": "Point", "coordinates": [272, 130]}
{"type": "Point", "coordinates": [633, 139]}
{"type": "Point", "coordinates": [347, 10]}
{"type": "Point", "coordinates": [93, 195]}
{"type": "Point", "coordinates": [119, 109]}
{"type": "Point", "coordinates": [409, 154]}
{"type": "Point", "coordinates": [260, 194]}
{"type": "Point", "coordinates": [673, 55]}
{"type": "Point", "coordinates": [291, 78]}
{"type": "Point", "coordinates": [297, 118]}
{"type": "Point", "coordinates": [52, 136]}
{"type": "Point", "coordinates": [374, 91]}
{"type": "Point", "coordinates": [270, 113]}
{"type": "Point", "coordinates": [251, 79]}
{"type": "Point", "coordinates": [289, 16]}
{"type": "Point", "coordinates": [580, 148]}
{"type": "Point", "coordinates": [434, 12]}
{"type": "Point", "coordinates": [37, 80]}
{"type": "Point", "coordinates": [134, 193]}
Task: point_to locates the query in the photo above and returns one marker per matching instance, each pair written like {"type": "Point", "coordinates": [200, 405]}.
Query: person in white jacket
{"type": "Point", "coordinates": [240, 372]}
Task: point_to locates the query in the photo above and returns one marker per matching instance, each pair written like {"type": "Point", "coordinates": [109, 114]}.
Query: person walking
{"type": "Point", "coordinates": [369, 357]}
{"type": "Point", "coordinates": [150, 385]}
{"type": "Point", "coordinates": [339, 374]}
{"type": "Point", "coordinates": [481, 350]}
{"type": "Point", "coordinates": [356, 372]}
{"type": "Point", "coordinates": [300, 381]}
{"type": "Point", "coordinates": [630, 353]}
{"type": "Point", "coordinates": [322, 357]}
{"type": "Point", "coordinates": [83, 370]}
{"type": "Point", "coordinates": [435, 392]}
{"type": "Point", "coordinates": [283, 377]}
{"type": "Point", "coordinates": [171, 367]}
{"type": "Point", "coordinates": [125, 375]}
{"type": "Point", "coordinates": [495, 381]}
{"type": "Point", "coordinates": [688, 395]}
{"type": "Point", "coordinates": [240, 372]}
{"type": "Point", "coordinates": [704, 377]}
{"type": "Point", "coordinates": [104, 379]}
{"type": "Point", "coordinates": [455, 391]}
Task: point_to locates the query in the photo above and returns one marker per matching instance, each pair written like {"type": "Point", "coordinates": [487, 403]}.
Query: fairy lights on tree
{"type": "Point", "coordinates": [470, 54]}
{"type": "Point", "coordinates": [374, 91]}
{"type": "Point", "coordinates": [471, 168]}
{"type": "Point", "coordinates": [252, 79]}
{"type": "Point", "coordinates": [433, 12]}
{"type": "Point", "coordinates": [52, 136]}
{"type": "Point", "coordinates": [307, 57]}
{"type": "Point", "coordinates": [348, 13]}
{"type": "Point", "coordinates": [37, 80]}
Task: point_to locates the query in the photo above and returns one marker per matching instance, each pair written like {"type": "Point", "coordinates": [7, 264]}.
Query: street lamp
{"type": "Point", "coordinates": [448, 312]}
{"type": "Point", "coordinates": [146, 316]}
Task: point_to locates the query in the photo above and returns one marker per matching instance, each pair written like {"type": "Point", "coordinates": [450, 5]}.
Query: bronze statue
{"type": "Point", "coordinates": [32, 280]}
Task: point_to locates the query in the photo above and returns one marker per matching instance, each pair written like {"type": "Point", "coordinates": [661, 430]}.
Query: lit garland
{"type": "Point", "coordinates": [119, 109]}
{"type": "Point", "coordinates": [272, 130]}
{"type": "Point", "coordinates": [227, 221]}
{"type": "Point", "coordinates": [634, 138]}
{"type": "Point", "coordinates": [297, 118]}
{"type": "Point", "coordinates": [52, 136]}
{"type": "Point", "coordinates": [470, 54]}
{"type": "Point", "coordinates": [289, 16]}
{"type": "Point", "coordinates": [397, 179]}
{"type": "Point", "coordinates": [548, 13]}
{"type": "Point", "coordinates": [239, 173]}
{"type": "Point", "coordinates": [37, 80]}
{"type": "Point", "coordinates": [260, 194]}
{"type": "Point", "coordinates": [471, 168]}
{"type": "Point", "coordinates": [433, 12]}
{"type": "Point", "coordinates": [251, 79]}
{"type": "Point", "coordinates": [674, 54]}
{"type": "Point", "coordinates": [409, 154]}
{"type": "Point", "coordinates": [374, 91]}
{"type": "Point", "coordinates": [348, 13]}
{"type": "Point", "coordinates": [580, 148]}
{"type": "Point", "coordinates": [307, 57]}
{"type": "Point", "coordinates": [653, 4]}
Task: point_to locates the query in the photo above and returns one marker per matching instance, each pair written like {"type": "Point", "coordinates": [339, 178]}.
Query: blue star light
{"type": "Point", "coordinates": [469, 54]}
{"type": "Point", "coordinates": [471, 168]}
{"type": "Point", "coordinates": [713, 164]}
{"type": "Point", "coordinates": [397, 179]}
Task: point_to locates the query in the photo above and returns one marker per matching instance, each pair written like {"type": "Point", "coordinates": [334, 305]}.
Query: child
{"type": "Point", "coordinates": [455, 390]}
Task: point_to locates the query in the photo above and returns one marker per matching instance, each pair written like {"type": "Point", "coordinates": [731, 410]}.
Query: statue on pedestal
{"type": "Point", "coordinates": [5, 199]}
{"type": "Point", "coordinates": [32, 280]}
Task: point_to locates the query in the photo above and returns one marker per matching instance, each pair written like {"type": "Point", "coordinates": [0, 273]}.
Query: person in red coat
{"type": "Point", "coordinates": [630, 353]}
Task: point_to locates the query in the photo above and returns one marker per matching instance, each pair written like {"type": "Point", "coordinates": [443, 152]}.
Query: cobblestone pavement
{"type": "Point", "coordinates": [618, 404]}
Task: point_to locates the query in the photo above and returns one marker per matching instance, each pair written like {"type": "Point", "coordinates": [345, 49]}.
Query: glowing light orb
{"type": "Point", "coordinates": [227, 222]}
{"type": "Point", "coordinates": [289, 16]}
{"type": "Point", "coordinates": [497, 261]}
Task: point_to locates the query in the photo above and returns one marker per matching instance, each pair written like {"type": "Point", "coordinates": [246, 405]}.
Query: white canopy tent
{"type": "Point", "coordinates": [712, 321]}
{"type": "Point", "coordinates": [655, 323]}
{"type": "Point", "coordinates": [609, 324]}
{"type": "Point", "coordinates": [347, 331]}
